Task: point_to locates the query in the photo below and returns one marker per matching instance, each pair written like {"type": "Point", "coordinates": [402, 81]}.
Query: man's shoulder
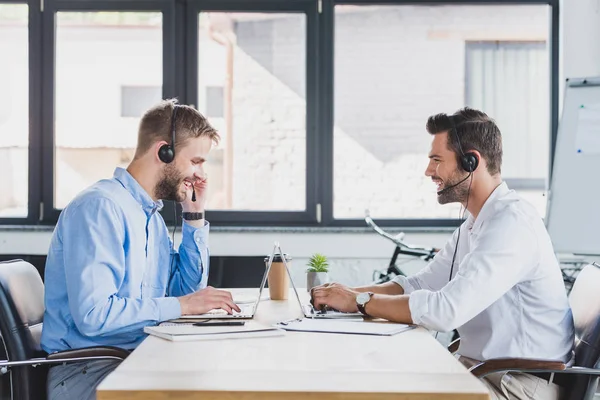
{"type": "Point", "coordinates": [97, 197]}
{"type": "Point", "coordinates": [512, 204]}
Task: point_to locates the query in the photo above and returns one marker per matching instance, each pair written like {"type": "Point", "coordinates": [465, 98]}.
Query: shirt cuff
{"type": "Point", "coordinates": [195, 238]}
{"type": "Point", "coordinates": [418, 304]}
{"type": "Point", "coordinates": [405, 283]}
{"type": "Point", "coordinates": [168, 308]}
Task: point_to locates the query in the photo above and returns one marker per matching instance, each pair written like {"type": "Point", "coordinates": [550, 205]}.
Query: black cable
{"type": "Point", "coordinates": [458, 238]}
{"type": "Point", "coordinates": [174, 223]}
{"type": "Point", "coordinates": [172, 253]}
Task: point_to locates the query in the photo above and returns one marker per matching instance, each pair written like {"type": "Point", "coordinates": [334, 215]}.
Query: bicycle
{"type": "Point", "coordinates": [424, 253]}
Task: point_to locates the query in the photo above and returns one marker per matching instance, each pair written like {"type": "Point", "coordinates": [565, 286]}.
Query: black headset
{"type": "Point", "coordinates": [166, 153]}
{"type": "Point", "coordinates": [468, 161]}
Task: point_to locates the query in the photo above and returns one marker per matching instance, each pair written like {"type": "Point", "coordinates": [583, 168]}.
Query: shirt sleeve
{"type": "Point", "coordinates": [506, 250]}
{"type": "Point", "coordinates": [436, 274]}
{"type": "Point", "coordinates": [190, 270]}
{"type": "Point", "coordinates": [93, 245]}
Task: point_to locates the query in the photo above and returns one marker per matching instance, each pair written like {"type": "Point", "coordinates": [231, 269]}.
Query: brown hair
{"type": "Point", "coordinates": [476, 131]}
{"type": "Point", "coordinates": [155, 126]}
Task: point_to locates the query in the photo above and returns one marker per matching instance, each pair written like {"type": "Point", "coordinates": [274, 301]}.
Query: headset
{"type": "Point", "coordinates": [166, 153]}
{"type": "Point", "coordinates": [468, 162]}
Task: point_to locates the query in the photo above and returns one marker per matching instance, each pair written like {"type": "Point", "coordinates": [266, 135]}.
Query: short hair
{"type": "Point", "coordinates": [477, 131]}
{"type": "Point", "coordinates": [155, 126]}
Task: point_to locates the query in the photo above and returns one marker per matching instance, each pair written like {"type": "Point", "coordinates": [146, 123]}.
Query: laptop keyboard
{"type": "Point", "coordinates": [326, 310]}
{"type": "Point", "coordinates": [245, 309]}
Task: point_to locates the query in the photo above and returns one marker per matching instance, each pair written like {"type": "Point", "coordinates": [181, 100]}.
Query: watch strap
{"type": "Point", "coordinates": [192, 216]}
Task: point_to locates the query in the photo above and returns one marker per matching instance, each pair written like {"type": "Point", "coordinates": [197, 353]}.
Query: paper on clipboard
{"type": "Point", "coordinates": [587, 136]}
{"type": "Point", "coordinates": [347, 327]}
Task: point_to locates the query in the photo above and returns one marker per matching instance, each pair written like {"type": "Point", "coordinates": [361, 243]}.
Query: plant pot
{"type": "Point", "coordinates": [315, 279]}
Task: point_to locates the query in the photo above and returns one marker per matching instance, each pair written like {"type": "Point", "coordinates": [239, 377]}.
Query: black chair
{"type": "Point", "coordinates": [581, 379]}
{"type": "Point", "coordinates": [21, 314]}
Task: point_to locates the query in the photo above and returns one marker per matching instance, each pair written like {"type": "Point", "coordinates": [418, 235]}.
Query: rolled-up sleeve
{"type": "Point", "coordinates": [435, 275]}
{"type": "Point", "coordinates": [505, 250]}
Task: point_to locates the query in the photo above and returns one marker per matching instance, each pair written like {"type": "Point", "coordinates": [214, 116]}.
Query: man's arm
{"type": "Point", "coordinates": [389, 288]}
{"type": "Point", "coordinates": [499, 261]}
{"type": "Point", "coordinates": [93, 240]}
{"type": "Point", "coordinates": [433, 277]}
{"type": "Point", "coordinates": [189, 269]}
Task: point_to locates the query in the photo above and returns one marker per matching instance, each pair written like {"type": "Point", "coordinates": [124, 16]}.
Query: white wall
{"type": "Point", "coordinates": [580, 38]}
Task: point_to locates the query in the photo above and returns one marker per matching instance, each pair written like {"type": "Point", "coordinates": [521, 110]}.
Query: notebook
{"type": "Point", "coordinates": [187, 332]}
{"type": "Point", "coordinates": [341, 326]}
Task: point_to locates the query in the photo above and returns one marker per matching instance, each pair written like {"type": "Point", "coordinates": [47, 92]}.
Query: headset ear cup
{"type": "Point", "coordinates": [469, 162]}
{"type": "Point", "coordinates": [165, 153]}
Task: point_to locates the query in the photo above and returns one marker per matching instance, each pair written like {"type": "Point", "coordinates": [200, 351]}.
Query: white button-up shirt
{"type": "Point", "coordinates": [506, 296]}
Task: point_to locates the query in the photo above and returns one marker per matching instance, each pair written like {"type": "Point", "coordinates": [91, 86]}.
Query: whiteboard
{"type": "Point", "coordinates": [573, 210]}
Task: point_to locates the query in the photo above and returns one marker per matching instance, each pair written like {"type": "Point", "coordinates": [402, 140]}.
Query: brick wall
{"type": "Point", "coordinates": [395, 66]}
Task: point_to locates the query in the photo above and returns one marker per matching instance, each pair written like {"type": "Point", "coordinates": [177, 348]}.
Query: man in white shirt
{"type": "Point", "coordinates": [497, 279]}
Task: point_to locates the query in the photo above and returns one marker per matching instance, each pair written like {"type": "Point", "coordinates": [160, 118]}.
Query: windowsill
{"type": "Point", "coordinates": [262, 229]}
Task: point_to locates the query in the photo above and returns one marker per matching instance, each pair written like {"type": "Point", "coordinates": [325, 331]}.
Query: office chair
{"type": "Point", "coordinates": [21, 314]}
{"type": "Point", "coordinates": [581, 379]}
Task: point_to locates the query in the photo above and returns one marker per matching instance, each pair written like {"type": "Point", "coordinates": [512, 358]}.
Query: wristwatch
{"type": "Point", "coordinates": [361, 301]}
{"type": "Point", "coordinates": [192, 216]}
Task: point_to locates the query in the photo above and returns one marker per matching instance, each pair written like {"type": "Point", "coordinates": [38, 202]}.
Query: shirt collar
{"type": "Point", "coordinates": [500, 191]}
{"type": "Point", "coordinates": [137, 191]}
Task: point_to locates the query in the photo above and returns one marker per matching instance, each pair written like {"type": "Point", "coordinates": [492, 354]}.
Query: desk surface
{"type": "Point", "coordinates": [410, 365]}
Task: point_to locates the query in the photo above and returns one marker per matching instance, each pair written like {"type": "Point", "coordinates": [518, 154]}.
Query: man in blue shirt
{"type": "Point", "coordinates": [112, 268]}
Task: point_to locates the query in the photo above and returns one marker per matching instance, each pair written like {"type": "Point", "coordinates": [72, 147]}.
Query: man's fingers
{"type": "Point", "coordinates": [226, 307]}
{"type": "Point", "coordinates": [230, 306]}
{"type": "Point", "coordinates": [320, 299]}
{"type": "Point", "coordinates": [235, 306]}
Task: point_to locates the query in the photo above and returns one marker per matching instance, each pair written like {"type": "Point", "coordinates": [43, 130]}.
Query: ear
{"type": "Point", "coordinates": [156, 149]}
{"type": "Point", "coordinates": [480, 160]}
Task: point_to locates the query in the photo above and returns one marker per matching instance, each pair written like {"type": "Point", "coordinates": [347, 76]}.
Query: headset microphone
{"type": "Point", "coordinates": [456, 184]}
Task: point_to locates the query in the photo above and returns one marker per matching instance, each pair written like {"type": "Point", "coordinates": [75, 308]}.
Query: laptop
{"type": "Point", "coordinates": [309, 311]}
{"type": "Point", "coordinates": [247, 310]}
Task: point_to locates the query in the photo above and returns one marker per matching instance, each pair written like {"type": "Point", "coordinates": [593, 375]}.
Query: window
{"type": "Point", "coordinates": [14, 108]}
{"type": "Point", "coordinates": [108, 68]}
{"type": "Point", "coordinates": [321, 105]}
{"type": "Point", "coordinates": [135, 100]}
{"type": "Point", "coordinates": [509, 80]}
{"type": "Point", "coordinates": [397, 65]}
{"type": "Point", "coordinates": [251, 85]}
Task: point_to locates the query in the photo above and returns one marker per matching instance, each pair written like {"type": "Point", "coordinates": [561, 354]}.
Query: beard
{"type": "Point", "coordinates": [169, 185]}
{"type": "Point", "coordinates": [455, 194]}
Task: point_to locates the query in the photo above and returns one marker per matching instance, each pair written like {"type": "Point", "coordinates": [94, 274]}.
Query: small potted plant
{"type": "Point", "coordinates": [316, 274]}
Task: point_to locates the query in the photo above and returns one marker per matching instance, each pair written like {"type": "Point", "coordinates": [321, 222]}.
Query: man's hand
{"type": "Point", "coordinates": [334, 295]}
{"type": "Point", "coordinates": [205, 300]}
{"type": "Point", "coordinates": [200, 186]}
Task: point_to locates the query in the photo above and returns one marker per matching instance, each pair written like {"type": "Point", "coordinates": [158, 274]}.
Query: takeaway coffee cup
{"type": "Point", "coordinates": [278, 278]}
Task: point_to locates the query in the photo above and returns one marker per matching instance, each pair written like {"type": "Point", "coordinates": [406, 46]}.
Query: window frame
{"type": "Point", "coordinates": [35, 104]}
{"type": "Point", "coordinates": [180, 80]}
{"type": "Point", "coordinates": [194, 8]}
{"type": "Point", "coordinates": [50, 214]}
{"type": "Point", "coordinates": [327, 70]}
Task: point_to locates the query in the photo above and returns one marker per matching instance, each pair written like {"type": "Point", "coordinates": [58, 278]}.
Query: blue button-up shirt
{"type": "Point", "coordinates": [111, 268]}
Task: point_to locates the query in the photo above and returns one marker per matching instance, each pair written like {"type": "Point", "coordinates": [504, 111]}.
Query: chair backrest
{"type": "Point", "coordinates": [585, 304]}
{"type": "Point", "coordinates": [21, 315]}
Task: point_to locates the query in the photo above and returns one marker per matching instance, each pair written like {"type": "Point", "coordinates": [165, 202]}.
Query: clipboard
{"type": "Point", "coordinates": [383, 328]}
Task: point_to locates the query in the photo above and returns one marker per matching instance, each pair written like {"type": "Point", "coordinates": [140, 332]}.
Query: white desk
{"type": "Point", "coordinates": [410, 365]}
